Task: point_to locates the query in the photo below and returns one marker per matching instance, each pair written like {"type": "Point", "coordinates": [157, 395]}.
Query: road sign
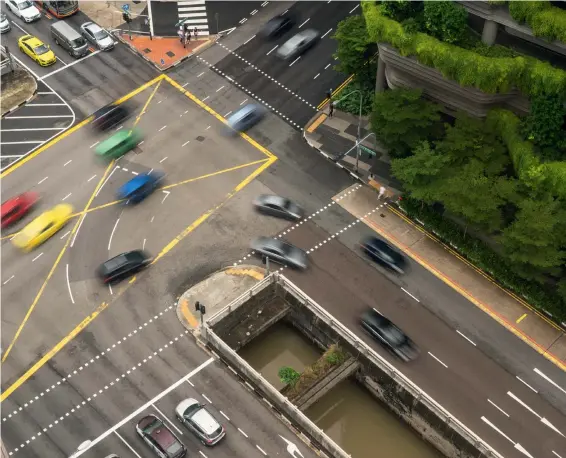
{"type": "Point", "coordinates": [125, 7]}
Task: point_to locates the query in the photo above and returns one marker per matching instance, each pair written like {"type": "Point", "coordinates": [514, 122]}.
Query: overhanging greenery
{"type": "Point", "coordinates": [546, 21]}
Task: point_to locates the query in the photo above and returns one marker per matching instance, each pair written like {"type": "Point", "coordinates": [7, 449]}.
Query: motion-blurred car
{"type": "Point", "coordinates": [389, 335]}
{"type": "Point", "coordinates": [97, 36]}
{"type": "Point", "coordinates": [278, 206]}
{"type": "Point", "coordinates": [277, 26]}
{"type": "Point", "coordinates": [37, 50]}
{"type": "Point", "coordinates": [160, 438]}
{"type": "Point", "coordinates": [298, 44]}
{"type": "Point", "coordinates": [4, 24]}
{"type": "Point", "coordinates": [246, 117]}
{"type": "Point", "coordinates": [200, 421]}
{"type": "Point", "coordinates": [118, 144]}
{"type": "Point", "coordinates": [24, 9]}
{"type": "Point", "coordinates": [14, 209]}
{"type": "Point", "coordinates": [123, 265]}
{"type": "Point", "coordinates": [43, 227]}
{"type": "Point", "coordinates": [384, 254]}
{"type": "Point", "coordinates": [281, 252]}
{"type": "Point", "coordinates": [139, 187]}
{"type": "Point", "coordinates": [109, 116]}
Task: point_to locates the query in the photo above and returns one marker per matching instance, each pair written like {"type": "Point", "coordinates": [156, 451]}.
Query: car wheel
{"type": "Point", "coordinates": [56, 41]}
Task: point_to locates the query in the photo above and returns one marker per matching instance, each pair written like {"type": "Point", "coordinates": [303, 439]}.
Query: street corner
{"type": "Point", "coordinates": [547, 336]}
{"type": "Point", "coordinates": [315, 122]}
{"type": "Point", "coordinates": [215, 292]}
{"type": "Point", "coordinates": [18, 88]}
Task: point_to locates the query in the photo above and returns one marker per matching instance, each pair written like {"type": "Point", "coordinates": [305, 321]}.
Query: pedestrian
{"type": "Point", "coordinates": [181, 34]}
{"type": "Point", "coordinates": [331, 109]}
{"type": "Point", "coordinates": [195, 32]}
{"type": "Point", "coordinates": [329, 94]}
{"type": "Point", "coordinates": [188, 40]}
{"type": "Point", "coordinates": [382, 192]}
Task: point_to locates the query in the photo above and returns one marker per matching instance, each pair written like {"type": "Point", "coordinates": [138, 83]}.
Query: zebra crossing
{"type": "Point", "coordinates": [193, 13]}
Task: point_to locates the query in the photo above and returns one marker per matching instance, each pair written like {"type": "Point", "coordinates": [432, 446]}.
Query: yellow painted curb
{"type": "Point", "coordinates": [245, 271]}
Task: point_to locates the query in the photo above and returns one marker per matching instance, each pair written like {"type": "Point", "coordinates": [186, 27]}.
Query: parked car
{"type": "Point", "coordinates": [139, 187]}
{"type": "Point", "coordinates": [69, 39]}
{"type": "Point", "coordinates": [384, 254]}
{"type": "Point", "coordinates": [298, 44]}
{"type": "Point", "coordinates": [278, 206]}
{"type": "Point", "coordinates": [43, 227]}
{"type": "Point", "coordinates": [277, 26]}
{"type": "Point", "coordinates": [118, 144]}
{"type": "Point", "coordinates": [37, 50]}
{"type": "Point", "coordinates": [160, 438]}
{"type": "Point", "coordinates": [280, 252]}
{"type": "Point", "coordinates": [24, 9]}
{"type": "Point", "coordinates": [4, 23]}
{"type": "Point", "coordinates": [109, 116]}
{"type": "Point", "coordinates": [389, 335]}
{"type": "Point", "coordinates": [14, 209]}
{"type": "Point", "coordinates": [123, 265]}
{"type": "Point", "coordinates": [200, 421]}
{"type": "Point", "coordinates": [246, 117]}
{"type": "Point", "coordinates": [97, 36]}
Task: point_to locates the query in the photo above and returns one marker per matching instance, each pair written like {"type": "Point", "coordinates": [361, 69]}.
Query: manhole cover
{"type": "Point", "coordinates": [170, 53]}
{"type": "Point", "coordinates": [200, 138]}
{"type": "Point", "coordinates": [146, 50]}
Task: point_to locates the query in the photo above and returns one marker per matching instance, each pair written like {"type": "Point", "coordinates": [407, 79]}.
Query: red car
{"type": "Point", "coordinates": [16, 208]}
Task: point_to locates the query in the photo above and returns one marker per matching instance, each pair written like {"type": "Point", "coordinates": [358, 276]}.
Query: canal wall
{"type": "Point", "coordinates": [436, 425]}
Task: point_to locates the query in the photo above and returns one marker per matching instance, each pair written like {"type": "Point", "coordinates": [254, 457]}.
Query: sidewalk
{"type": "Point", "coordinates": [334, 136]}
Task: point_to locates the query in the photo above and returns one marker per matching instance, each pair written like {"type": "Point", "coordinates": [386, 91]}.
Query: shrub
{"type": "Point", "coordinates": [546, 21]}
{"type": "Point", "coordinates": [401, 10]}
{"type": "Point", "coordinates": [351, 104]}
{"type": "Point", "coordinates": [354, 47]}
{"type": "Point", "coordinates": [288, 375]}
{"type": "Point", "coordinates": [446, 20]}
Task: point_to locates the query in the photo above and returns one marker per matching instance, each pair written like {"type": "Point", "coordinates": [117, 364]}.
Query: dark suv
{"type": "Point", "coordinates": [122, 266]}
{"type": "Point", "coordinates": [109, 116]}
{"type": "Point", "coordinates": [160, 438]}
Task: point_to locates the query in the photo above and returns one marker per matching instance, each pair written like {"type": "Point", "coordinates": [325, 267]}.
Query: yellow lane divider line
{"type": "Point", "coordinates": [521, 318]}
{"type": "Point", "coordinates": [145, 106]}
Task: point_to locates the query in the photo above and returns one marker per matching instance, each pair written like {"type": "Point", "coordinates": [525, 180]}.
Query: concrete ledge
{"type": "Point", "coordinates": [28, 90]}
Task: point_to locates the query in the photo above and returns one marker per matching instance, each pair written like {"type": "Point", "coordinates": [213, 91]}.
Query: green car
{"type": "Point", "coordinates": [118, 144]}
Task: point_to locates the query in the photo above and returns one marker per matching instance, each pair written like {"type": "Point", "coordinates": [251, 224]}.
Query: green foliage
{"type": "Point", "coordinates": [524, 11]}
{"type": "Point", "coordinates": [351, 104]}
{"type": "Point", "coordinates": [545, 20]}
{"type": "Point", "coordinates": [335, 356]}
{"type": "Point", "coordinates": [483, 257]}
{"type": "Point", "coordinates": [493, 51]}
{"type": "Point", "coordinates": [401, 10]}
{"type": "Point", "coordinates": [353, 44]}
{"type": "Point", "coordinates": [543, 125]}
{"type": "Point", "coordinates": [446, 20]}
{"type": "Point", "coordinates": [288, 375]}
{"type": "Point", "coordinates": [401, 119]}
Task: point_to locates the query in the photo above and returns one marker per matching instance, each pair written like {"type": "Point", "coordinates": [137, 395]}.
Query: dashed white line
{"type": "Point", "coordinates": [354, 9]}
{"type": "Point", "coordinates": [276, 46]}
{"type": "Point", "coordinates": [43, 180]}
{"type": "Point", "coordinates": [65, 235]}
{"type": "Point", "coordinates": [292, 63]}
{"type": "Point", "coordinates": [304, 23]}
{"type": "Point", "coordinates": [407, 292]}
{"type": "Point", "coordinates": [67, 196]}
{"type": "Point", "coordinates": [91, 178]}
{"type": "Point", "coordinates": [184, 85]}
{"type": "Point", "coordinates": [224, 415]}
{"type": "Point", "coordinates": [316, 76]}
{"type": "Point", "coordinates": [69, 283]}
{"type": "Point", "coordinates": [330, 30]}
{"type": "Point", "coordinates": [467, 338]}
{"type": "Point", "coordinates": [243, 20]}
{"type": "Point", "coordinates": [220, 88]}
{"type": "Point", "coordinates": [110, 289]}
{"type": "Point", "coordinates": [549, 380]}
{"type": "Point", "coordinates": [8, 280]}
{"type": "Point", "coordinates": [243, 102]}
{"type": "Point", "coordinates": [186, 143]}
{"type": "Point", "coordinates": [143, 245]}
{"type": "Point", "coordinates": [208, 127]}
{"type": "Point", "coordinates": [556, 454]}
{"type": "Point", "coordinates": [200, 74]}
{"type": "Point", "coordinates": [112, 233]}
{"type": "Point", "coordinates": [485, 420]}
{"type": "Point", "coordinates": [498, 408]}
{"type": "Point", "coordinates": [159, 102]}
{"type": "Point", "coordinates": [67, 163]}
{"type": "Point", "coordinates": [206, 397]}
{"type": "Point", "coordinates": [243, 433]}
{"type": "Point", "coordinates": [521, 380]}
{"type": "Point", "coordinates": [126, 444]}
{"type": "Point", "coordinates": [327, 65]}
{"type": "Point", "coordinates": [249, 39]}
{"type": "Point", "coordinates": [37, 257]}
{"type": "Point", "coordinates": [206, 98]}
{"type": "Point", "coordinates": [166, 195]}
{"type": "Point", "coordinates": [261, 450]}
{"type": "Point", "coordinates": [228, 114]}
{"type": "Point", "coordinates": [162, 128]}
{"type": "Point", "coordinates": [200, 451]}
{"type": "Point", "coordinates": [165, 158]}
{"type": "Point", "coordinates": [438, 360]}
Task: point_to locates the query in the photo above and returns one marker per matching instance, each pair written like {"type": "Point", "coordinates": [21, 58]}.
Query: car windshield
{"type": "Point", "coordinates": [79, 41]}
{"type": "Point", "coordinates": [24, 5]}
{"type": "Point", "coordinates": [116, 263]}
{"type": "Point", "coordinates": [191, 410]}
{"type": "Point", "coordinates": [100, 34]}
{"type": "Point", "coordinates": [41, 49]}
{"type": "Point", "coordinates": [174, 448]}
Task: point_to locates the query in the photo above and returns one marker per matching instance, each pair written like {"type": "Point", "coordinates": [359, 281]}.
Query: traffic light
{"type": "Point", "coordinates": [127, 18]}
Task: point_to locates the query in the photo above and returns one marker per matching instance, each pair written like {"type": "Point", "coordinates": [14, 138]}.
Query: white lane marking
{"type": "Point", "coordinates": [220, 88]}
{"type": "Point", "coordinates": [36, 128]}
{"type": "Point", "coordinates": [67, 377]}
{"type": "Point", "coordinates": [29, 142]}
{"type": "Point", "coordinates": [43, 180]}
{"type": "Point", "coordinates": [69, 65]}
{"type": "Point", "coordinates": [316, 76]}
{"type": "Point", "coordinates": [164, 159]}
{"type": "Point", "coordinates": [327, 65]}
{"type": "Point", "coordinates": [243, 102]}
{"type": "Point", "coordinates": [467, 338]}
{"type": "Point", "coordinates": [67, 196]}
{"type": "Point", "coordinates": [543, 420]}
{"type": "Point", "coordinates": [46, 105]}
{"type": "Point", "coordinates": [438, 359]}
{"type": "Point", "coordinates": [206, 397]}
{"type": "Point", "coordinates": [243, 433]}
{"type": "Point", "coordinates": [127, 445]}
{"type": "Point", "coordinates": [186, 84]}
{"type": "Point", "coordinates": [549, 380]}
{"type": "Point", "coordinates": [37, 257]}
{"type": "Point", "coordinates": [227, 114]}
{"type": "Point", "coordinates": [200, 451]}
{"type": "Point", "coordinates": [45, 93]}
{"type": "Point", "coordinates": [187, 142]}
{"type": "Point", "coordinates": [521, 380]}
{"type": "Point", "coordinates": [143, 245]}
{"type": "Point", "coordinates": [407, 292]}
{"type": "Point", "coordinates": [145, 406]}
{"type": "Point", "coordinates": [166, 195]}
{"type": "Point", "coordinates": [110, 289]}
{"type": "Point", "coordinates": [91, 178]}
{"type": "Point", "coordinates": [224, 415]}
{"type": "Point", "coordinates": [94, 144]}
{"type": "Point", "coordinates": [252, 13]}
{"type": "Point", "coordinates": [276, 46]}
{"type": "Point", "coordinates": [159, 102]}
{"type": "Point", "coordinates": [292, 63]}
{"type": "Point", "coordinates": [354, 9]}
{"type": "Point", "coordinates": [485, 420]}
{"type": "Point", "coordinates": [8, 280]}
{"type": "Point", "coordinates": [106, 181]}
{"type": "Point", "coordinates": [152, 219]}
{"type": "Point", "coordinates": [261, 450]}
{"type": "Point", "coordinates": [329, 30]}
{"type": "Point", "coordinates": [69, 283]}
{"type": "Point", "coordinates": [249, 39]}
{"type": "Point", "coordinates": [67, 163]}
{"type": "Point", "coordinates": [118, 128]}
{"type": "Point", "coordinates": [264, 3]}
{"type": "Point", "coordinates": [78, 229]}
{"type": "Point", "coordinates": [206, 98]}
{"type": "Point", "coordinates": [200, 74]}
{"type": "Point", "coordinates": [39, 117]}
{"type": "Point", "coordinates": [243, 20]}
{"type": "Point", "coordinates": [304, 23]}
{"type": "Point", "coordinates": [167, 419]}
{"type": "Point", "coordinates": [65, 235]}
{"type": "Point", "coordinates": [556, 454]}
{"type": "Point", "coordinates": [498, 408]}
{"type": "Point", "coordinates": [208, 127]}
{"type": "Point", "coordinates": [112, 233]}
{"type": "Point", "coordinates": [162, 128]}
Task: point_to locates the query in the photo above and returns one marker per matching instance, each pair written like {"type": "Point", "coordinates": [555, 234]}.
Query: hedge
{"type": "Point", "coordinates": [489, 74]}
{"type": "Point", "coordinates": [546, 21]}
{"type": "Point", "coordinates": [483, 257]}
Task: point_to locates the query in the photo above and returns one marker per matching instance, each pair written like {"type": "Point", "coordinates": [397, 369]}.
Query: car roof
{"type": "Point", "coordinates": [34, 41]}
{"type": "Point", "coordinates": [112, 141]}
{"type": "Point", "coordinates": [205, 420]}
{"type": "Point", "coordinates": [244, 111]}
{"type": "Point", "coordinates": [123, 258]}
{"type": "Point", "coordinates": [295, 39]}
{"type": "Point", "coordinates": [134, 184]}
{"type": "Point", "coordinates": [272, 199]}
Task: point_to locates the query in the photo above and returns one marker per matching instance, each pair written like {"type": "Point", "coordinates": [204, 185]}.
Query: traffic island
{"type": "Point", "coordinates": [18, 88]}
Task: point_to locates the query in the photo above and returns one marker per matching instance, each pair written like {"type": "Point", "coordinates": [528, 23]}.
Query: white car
{"type": "Point", "coordinates": [24, 9]}
{"type": "Point", "coordinates": [4, 23]}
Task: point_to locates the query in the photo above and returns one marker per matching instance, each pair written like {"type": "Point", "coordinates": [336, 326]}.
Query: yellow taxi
{"type": "Point", "coordinates": [43, 227]}
{"type": "Point", "coordinates": [37, 50]}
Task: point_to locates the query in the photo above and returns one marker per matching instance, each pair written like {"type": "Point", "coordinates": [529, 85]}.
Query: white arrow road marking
{"type": "Point", "coordinates": [549, 380]}
{"type": "Point", "coordinates": [543, 420]}
{"type": "Point", "coordinates": [292, 448]}
{"type": "Point", "coordinates": [517, 446]}
{"type": "Point", "coordinates": [522, 450]}
{"type": "Point", "coordinates": [166, 195]}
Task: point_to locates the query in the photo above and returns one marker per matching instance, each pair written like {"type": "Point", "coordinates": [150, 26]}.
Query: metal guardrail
{"type": "Point", "coordinates": [7, 64]}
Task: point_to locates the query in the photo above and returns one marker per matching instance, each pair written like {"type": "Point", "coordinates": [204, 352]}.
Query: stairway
{"type": "Point", "coordinates": [193, 12]}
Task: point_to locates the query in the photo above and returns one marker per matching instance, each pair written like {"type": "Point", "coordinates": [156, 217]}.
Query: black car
{"type": "Point", "coordinates": [384, 254]}
{"type": "Point", "coordinates": [277, 26]}
{"type": "Point", "coordinates": [123, 265]}
{"type": "Point", "coordinates": [389, 335]}
{"type": "Point", "coordinates": [109, 116]}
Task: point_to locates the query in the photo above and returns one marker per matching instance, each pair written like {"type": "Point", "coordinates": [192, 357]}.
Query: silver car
{"type": "Point", "coordinates": [280, 252]}
{"type": "Point", "coordinates": [246, 117]}
{"type": "Point", "coordinates": [4, 23]}
{"type": "Point", "coordinates": [200, 421]}
{"type": "Point", "coordinates": [278, 206]}
{"type": "Point", "coordinates": [97, 36]}
{"type": "Point", "coordinates": [298, 44]}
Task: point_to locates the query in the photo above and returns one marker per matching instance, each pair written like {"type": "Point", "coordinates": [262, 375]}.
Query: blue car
{"type": "Point", "coordinates": [246, 117]}
{"type": "Point", "coordinates": [139, 187]}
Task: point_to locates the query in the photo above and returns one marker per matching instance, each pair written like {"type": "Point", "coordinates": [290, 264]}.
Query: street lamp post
{"type": "Point", "coordinates": [359, 122]}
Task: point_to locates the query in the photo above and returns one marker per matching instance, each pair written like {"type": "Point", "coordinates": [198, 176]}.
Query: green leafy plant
{"type": "Point", "coordinates": [335, 356]}
{"type": "Point", "coordinates": [546, 21]}
{"type": "Point", "coordinates": [446, 20]}
{"type": "Point", "coordinates": [354, 47]}
{"type": "Point", "coordinates": [351, 103]}
{"type": "Point", "coordinates": [288, 375]}
{"type": "Point", "coordinates": [400, 10]}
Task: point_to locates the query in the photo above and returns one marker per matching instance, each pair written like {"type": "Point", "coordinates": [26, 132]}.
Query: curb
{"type": "Point", "coordinates": [19, 105]}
